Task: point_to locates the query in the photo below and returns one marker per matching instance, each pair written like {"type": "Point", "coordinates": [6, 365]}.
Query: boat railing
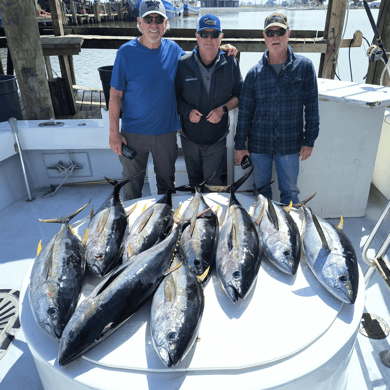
{"type": "Point", "coordinates": [378, 262]}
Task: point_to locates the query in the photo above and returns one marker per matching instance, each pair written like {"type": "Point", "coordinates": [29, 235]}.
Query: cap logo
{"type": "Point", "coordinates": [152, 3]}
{"type": "Point", "coordinates": [210, 22]}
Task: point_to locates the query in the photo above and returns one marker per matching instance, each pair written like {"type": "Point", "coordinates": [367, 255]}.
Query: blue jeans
{"type": "Point", "coordinates": [287, 170]}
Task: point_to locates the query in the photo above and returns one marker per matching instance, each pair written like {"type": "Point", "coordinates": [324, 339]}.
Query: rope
{"type": "Point", "coordinates": [65, 170]}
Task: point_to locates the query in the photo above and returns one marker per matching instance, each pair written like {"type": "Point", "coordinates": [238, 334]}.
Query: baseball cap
{"type": "Point", "coordinates": [152, 7]}
{"type": "Point", "coordinates": [209, 21]}
{"type": "Point", "coordinates": [276, 19]}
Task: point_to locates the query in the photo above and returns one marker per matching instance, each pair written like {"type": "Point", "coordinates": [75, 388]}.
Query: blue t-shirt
{"type": "Point", "coordinates": [147, 79]}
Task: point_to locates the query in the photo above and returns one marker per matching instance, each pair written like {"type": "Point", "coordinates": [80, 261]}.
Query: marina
{"type": "Point", "coordinates": [289, 333]}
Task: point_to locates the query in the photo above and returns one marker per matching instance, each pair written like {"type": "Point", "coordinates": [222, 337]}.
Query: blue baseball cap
{"type": "Point", "coordinates": [209, 21]}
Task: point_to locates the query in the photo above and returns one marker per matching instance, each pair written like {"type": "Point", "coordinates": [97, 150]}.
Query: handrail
{"type": "Point", "coordinates": [14, 127]}
{"type": "Point", "coordinates": [375, 262]}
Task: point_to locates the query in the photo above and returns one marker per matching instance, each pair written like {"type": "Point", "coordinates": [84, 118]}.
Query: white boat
{"type": "Point", "coordinates": [192, 8]}
{"type": "Point", "coordinates": [290, 334]}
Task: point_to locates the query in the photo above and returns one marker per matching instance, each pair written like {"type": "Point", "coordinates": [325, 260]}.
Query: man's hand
{"type": "Point", "coordinates": [305, 152]}
{"type": "Point", "coordinates": [239, 155]}
{"type": "Point", "coordinates": [215, 115]}
{"type": "Point", "coordinates": [195, 116]}
{"type": "Point", "coordinates": [116, 140]}
{"type": "Point", "coordinates": [229, 49]}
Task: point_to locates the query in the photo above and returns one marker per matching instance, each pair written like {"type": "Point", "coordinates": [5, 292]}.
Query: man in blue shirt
{"type": "Point", "coordinates": [278, 112]}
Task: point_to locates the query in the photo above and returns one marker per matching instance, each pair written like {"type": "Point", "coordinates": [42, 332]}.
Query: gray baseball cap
{"type": "Point", "coordinates": [152, 7]}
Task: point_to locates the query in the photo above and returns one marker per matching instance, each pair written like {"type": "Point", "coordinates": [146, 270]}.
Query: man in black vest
{"type": "Point", "coordinates": [208, 86]}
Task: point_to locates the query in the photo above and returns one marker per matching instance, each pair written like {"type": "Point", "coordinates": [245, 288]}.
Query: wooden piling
{"type": "Point", "coordinates": [66, 65]}
{"type": "Point", "coordinates": [96, 7]}
{"type": "Point", "coordinates": [108, 11]}
{"type": "Point", "coordinates": [74, 11]}
{"type": "Point", "coordinates": [333, 34]}
{"type": "Point", "coordinates": [21, 29]}
{"type": "Point", "coordinates": [375, 69]}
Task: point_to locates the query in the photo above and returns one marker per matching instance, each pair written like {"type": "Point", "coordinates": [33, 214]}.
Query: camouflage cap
{"type": "Point", "coordinates": [276, 19]}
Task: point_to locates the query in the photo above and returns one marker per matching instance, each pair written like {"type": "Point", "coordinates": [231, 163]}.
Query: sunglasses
{"type": "Point", "coordinates": [206, 34]}
{"type": "Point", "coordinates": [149, 19]}
{"type": "Point", "coordinates": [279, 33]}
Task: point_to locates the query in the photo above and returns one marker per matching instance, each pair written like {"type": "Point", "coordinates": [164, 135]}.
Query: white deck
{"type": "Point", "coordinates": [20, 232]}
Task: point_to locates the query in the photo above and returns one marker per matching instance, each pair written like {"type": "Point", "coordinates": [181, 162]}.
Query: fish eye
{"type": "Point", "coordinates": [197, 263]}
{"type": "Point", "coordinates": [172, 336]}
{"type": "Point", "coordinates": [52, 311]}
{"type": "Point", "coordinates": [72, 335]}
{"type": "Point", "coordinates": [236, 274]}
{"type": "Point", "coordinates": [343, 279]}
{"type": "Point", "coordinates": [287, 253]}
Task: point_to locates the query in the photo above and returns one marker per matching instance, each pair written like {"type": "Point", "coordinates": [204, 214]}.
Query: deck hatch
{"type": "Point", "coordinates": [9, 319]}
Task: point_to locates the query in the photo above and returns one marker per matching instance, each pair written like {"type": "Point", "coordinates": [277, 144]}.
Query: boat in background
{"type": "Point", "coordinates": [191, 8]}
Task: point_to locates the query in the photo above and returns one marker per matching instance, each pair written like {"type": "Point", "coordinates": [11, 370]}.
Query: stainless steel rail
{"type": "Point", "coordinates": [379, 257]}
{"type": "Point", "coordinates": [14, 127]}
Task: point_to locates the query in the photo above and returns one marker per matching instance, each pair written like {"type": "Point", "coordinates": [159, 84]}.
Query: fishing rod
{"type": "Point", "coordinates": [373, 51]}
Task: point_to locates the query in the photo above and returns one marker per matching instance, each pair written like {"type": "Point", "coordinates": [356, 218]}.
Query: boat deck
{"type": "Point", "coordinates": [20, 232]}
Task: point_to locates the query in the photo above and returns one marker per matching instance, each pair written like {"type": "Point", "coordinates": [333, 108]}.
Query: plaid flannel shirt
{"type": "Point", "coordinates": [278, 114]}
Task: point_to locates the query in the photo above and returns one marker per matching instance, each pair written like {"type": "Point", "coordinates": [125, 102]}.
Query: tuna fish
{"type": "Point", "coordinates": [116, 299]}
{"type": "Point", "coordinates": [239, 253]}
{"type": "Point", "coordinates": [57, 277]}
{"type": "Point", "coordinates": [176, 314]}
{"type": "Point", "coordinates": [198, 244]}
{"type": "Point", "coordinates": [150, 228]}
{"type": "Point", "coordinates": [105, 232]}
{"type": "Point", "coordinates": [279, 235]}
{"type": "Point", "coordinates": [331, 257]}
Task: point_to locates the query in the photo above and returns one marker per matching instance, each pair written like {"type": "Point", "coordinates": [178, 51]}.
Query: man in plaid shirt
{"type": "Point", "coordinates": [278, 112]}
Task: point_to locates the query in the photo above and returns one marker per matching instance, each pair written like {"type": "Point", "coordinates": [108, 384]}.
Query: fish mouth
{"type": "Point", "coordinates": [165, 357]}
{"type": "Point", "coordinates": [95, 269]}
{"type": "Point", "coordinates": [232, 293]}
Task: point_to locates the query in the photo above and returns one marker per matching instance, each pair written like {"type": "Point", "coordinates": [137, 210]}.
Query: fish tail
{"type": "Point", "coordinates": [67, 218]}
{"type": "Point", "coordinates": [232, 187]}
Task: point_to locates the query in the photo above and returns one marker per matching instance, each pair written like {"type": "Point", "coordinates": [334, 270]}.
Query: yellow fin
{"type": "Point", "coordinates": [131, 210]}
{"type": "Point", "coordinates": [177, 216]}
{"type": "Point", "coordinates": [289, 207]}
{"type": "Point", "coordinates": [341, 223]}
{"type": "Point", "coordinates": [39, 247]}
{"type": "Point", "coordinates": [261, 215]}
{"type": "Point", "coordinates": [173, 269]}
{"type": "Point", "coordinates": [130, 251]}
{"type": "Point", "coordinates": [144, 208]}
{"type": "Point", "coordinates": [85, 237]}
{"type": "Point", "coordinates": [202, 277]}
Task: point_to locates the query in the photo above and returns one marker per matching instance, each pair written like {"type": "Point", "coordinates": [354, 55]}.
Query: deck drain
{"type": "Point", "coordinates": [373, 326]}
{"type": "Point", "coordinates": [9, 318]}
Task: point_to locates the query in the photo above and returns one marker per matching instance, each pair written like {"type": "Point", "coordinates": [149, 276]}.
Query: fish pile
{"type": "Point", "coordinates": [169, 258]}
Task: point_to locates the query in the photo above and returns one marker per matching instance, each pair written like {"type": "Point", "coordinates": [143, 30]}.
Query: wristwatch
{"type": "Point", "coordinates": [224, 108]}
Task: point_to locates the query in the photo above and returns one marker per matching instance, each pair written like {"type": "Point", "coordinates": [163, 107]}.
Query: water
{"type": "Point", "coordinates": [89, 60]}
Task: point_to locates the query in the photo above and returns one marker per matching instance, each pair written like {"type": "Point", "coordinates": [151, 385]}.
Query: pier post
{"type": "Point", "coordinates": [24, 43]}
{"type": "Point", "coordinates": [375, 69]}
{"type": "Point", "coordinates": [74, 11]}
{"type": "Point", "coordinates": [96, 7]}
{"type": "Point", "coordinates": [333, 34]}
{"type": "Point", "coordinates": [66, 65]}
{"type": "Point", "coordinates": [108, 12]}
